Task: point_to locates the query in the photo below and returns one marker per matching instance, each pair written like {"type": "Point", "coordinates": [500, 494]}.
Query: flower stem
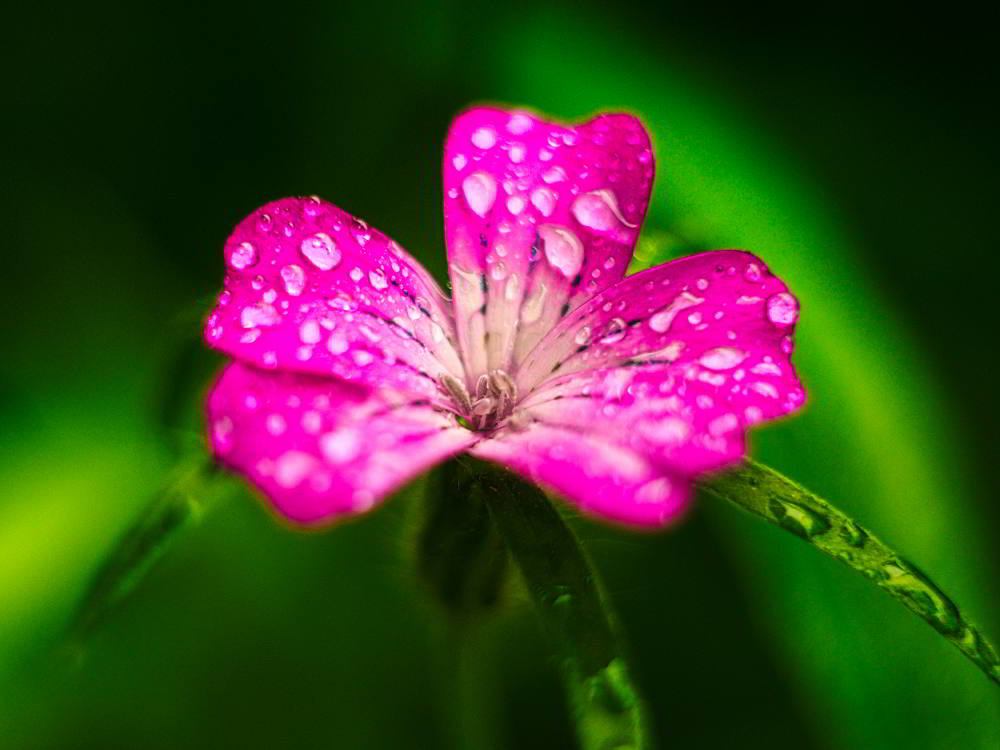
{"type": "Point", "coordinates": [775, 498]}
{"type": "Point", "coordinates": [607, 709]}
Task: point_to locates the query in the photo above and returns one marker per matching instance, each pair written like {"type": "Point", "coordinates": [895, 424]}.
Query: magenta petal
{"type": "Point", "coordinates": [602, 477]}
{"type": "Point", "coordinates": [721, 317]}
{"type": "Point", "coordinates": [311, 289]}
{"type": "Point", "coordinates": [538, 217]}
{"type": "Point", "coordinates": [670, 366]}
{"type": "Point", "coordinates": [320, 448]}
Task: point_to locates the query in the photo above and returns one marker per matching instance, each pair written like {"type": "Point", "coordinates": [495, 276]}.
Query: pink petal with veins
{"type": "Point", "coordinates": [722, 312]}
{"type": "Point", "coordinates": [321, 449]}
{"type": "Point", "coordinates": [601, 477]}
{"type": "Point", "coordinates": [539, 216]}
{"type": "Point", "coordinates": [311, 289]}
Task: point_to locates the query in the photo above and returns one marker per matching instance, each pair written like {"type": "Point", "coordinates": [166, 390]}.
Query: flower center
{"type": "Point", "coordinates": [492, 402]}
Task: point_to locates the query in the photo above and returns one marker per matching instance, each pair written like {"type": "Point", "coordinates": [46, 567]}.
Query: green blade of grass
{"type": "Point", "coordinates": [772, 496]}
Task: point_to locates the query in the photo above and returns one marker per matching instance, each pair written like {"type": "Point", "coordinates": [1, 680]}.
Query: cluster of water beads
{"type": "Point", "coordinates": [766, 493]}
{"type": "Point", "coordinates": [298, 250]}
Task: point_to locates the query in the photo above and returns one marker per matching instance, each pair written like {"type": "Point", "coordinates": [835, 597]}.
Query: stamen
{"type": "Point", "coordinates": [494, 400]}
{"type": "Point", "coordinates": [454, 388]}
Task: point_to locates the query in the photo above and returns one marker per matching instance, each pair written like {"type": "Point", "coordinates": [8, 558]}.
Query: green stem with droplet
{"type": "Point", "coordinates": [180, 503]}
{"type": "Point", "coordinates": [607, 709]}
{"type": "Point", "coordinates": [775, 498]}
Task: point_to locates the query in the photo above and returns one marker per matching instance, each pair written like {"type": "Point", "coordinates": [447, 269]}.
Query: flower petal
{"type": "Point", "coordinates": [603, 478]}
{"type": "Point", "coordinates": [677, 363]}
{"type": "Point", "coordinates": [538, 217]}
{"type": "Point", "coordinates": [721, 315]}
{"type": "Point", "coordinates": [321, 448]}
{"type": "Point", "coordinates": [311, 289]}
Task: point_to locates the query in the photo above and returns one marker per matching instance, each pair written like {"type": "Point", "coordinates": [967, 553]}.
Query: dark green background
{"type": "Point", "coordinates": [854, 150]}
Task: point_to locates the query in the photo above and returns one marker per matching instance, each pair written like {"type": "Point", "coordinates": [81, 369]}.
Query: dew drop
{"type": "Point", "coordinates": [321, 251]}
{"type": "Point", "coordinates": [800, 520]}
{"type": "Point", "coordinates": [261, 314]}
{"type": "Point", "coordinates": [782, 309]}
{"type": "Point", "coordinates": [534, 303]}
{"type": "Point", "coordinates": [519, 124]}
{"type": "Point", "coordinates": [563, 249]}
{"type": "Point", "coordinates": [598, 210]}
{"type": "Point", "coordinates": [480, 190]}
{"type": "Point", "coordinates": [661, 321]}
{"type": "Point", "coordinates": [722, 358]}
{"type": "Point", "coordinates": [554, 175]}
{"type": "Point", "coordinates": [309, 332]}
{"type": "Point", "coordinates": [515, 204]}
{"type": "Point", "coordinates": [484, 138]}
{"type": "Point", "coordinates": [356, 274]}
{"type": "Point", "coordinates": [337, 343]}
{"type": "Point", "coordinates": [293, 468]}
{"type": "Point", "coordinates": [243, 256]}
{"type": "Point", "coordinates": [654, 491]}
{"type": "Point", "coordinates": [294, 278]}
{"type": "Point", "coordinates": [377, 279]}
{"type": "Point", "coordinates": [615, 331]}
{"type": "Point", "coordinates": [582, 337]}
{"type": "Point", "coordinates": [341, 445]}
{"type": "Point", "coordinates": [544, 200]}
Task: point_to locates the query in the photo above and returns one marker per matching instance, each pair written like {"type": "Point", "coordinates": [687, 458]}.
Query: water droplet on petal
{"type": "Point", "coordinates": [275, 424]}
{"type": "Point", "coordinates": [337, 343]}
{"type": "Point", "coordinates": [356, 274]}
{"type": "Point", "coordinates": [484, 138]}
{"type": "Point", "coordinates": [563, 249]}
{"type": "Point", "coordinates": [534, 303]}
{"type": "Point", "coordinates": [515, 204]}
{"type": "Point", "coordinates": [782, 309]}
{"type": "Point", "coordinates": [309, 332]}
{"type": "Point", "coordinates": [519, 124]}
{"type": "Point", "coordinates": [321, 251]}
{"type": "Point", "coordinates": [553, 175]}
{"type": "Point", "coordinates": [480, 190]}
{"type": "Point", "coordinates": [377, 279]}
{"type": "Point", "coordinates": [582, 337]}
{"type": "Point", "coordinates": [544, 200]}
{"type": "Point", "coordinates": [222, 434]}
{"type": "Point", "coordinates": [293, 468]}
{"type": "Point", "coordinates": [341, 446]}
{"type": "Point", "coordinates": [722, 358]}
{"type": "Point", "coordinates": [615, 331]}
{"type": "Point", "coordinates": [261, 314]}
{"type": "Point", "coordinates": [437, 333]}
{"type": "Point", "coordinates": [598, 210]}
{"type": "Point", "coordinates": [294, 278]}
{"type": "Point", "coordinates": [660, 322]}
{"type": "Point", "coordinates": [243, 256]}
{"type": "Point", "coordinates": [654, 491]}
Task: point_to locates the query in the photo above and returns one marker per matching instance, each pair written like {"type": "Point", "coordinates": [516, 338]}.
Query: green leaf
{"type": "Point", "coordinates": [775, 498]}
{"type": "Point", "coordinates": [180, 503]}
{"type": "Point", "coordinates": [607, 709]}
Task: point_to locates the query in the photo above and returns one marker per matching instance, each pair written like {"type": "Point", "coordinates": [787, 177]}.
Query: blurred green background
{"type": "Point", "coordinates": [855, 152]}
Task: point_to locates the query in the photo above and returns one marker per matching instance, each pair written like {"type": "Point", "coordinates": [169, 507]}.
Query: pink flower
{"type": "Point", "coordinates": [353, 372]}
